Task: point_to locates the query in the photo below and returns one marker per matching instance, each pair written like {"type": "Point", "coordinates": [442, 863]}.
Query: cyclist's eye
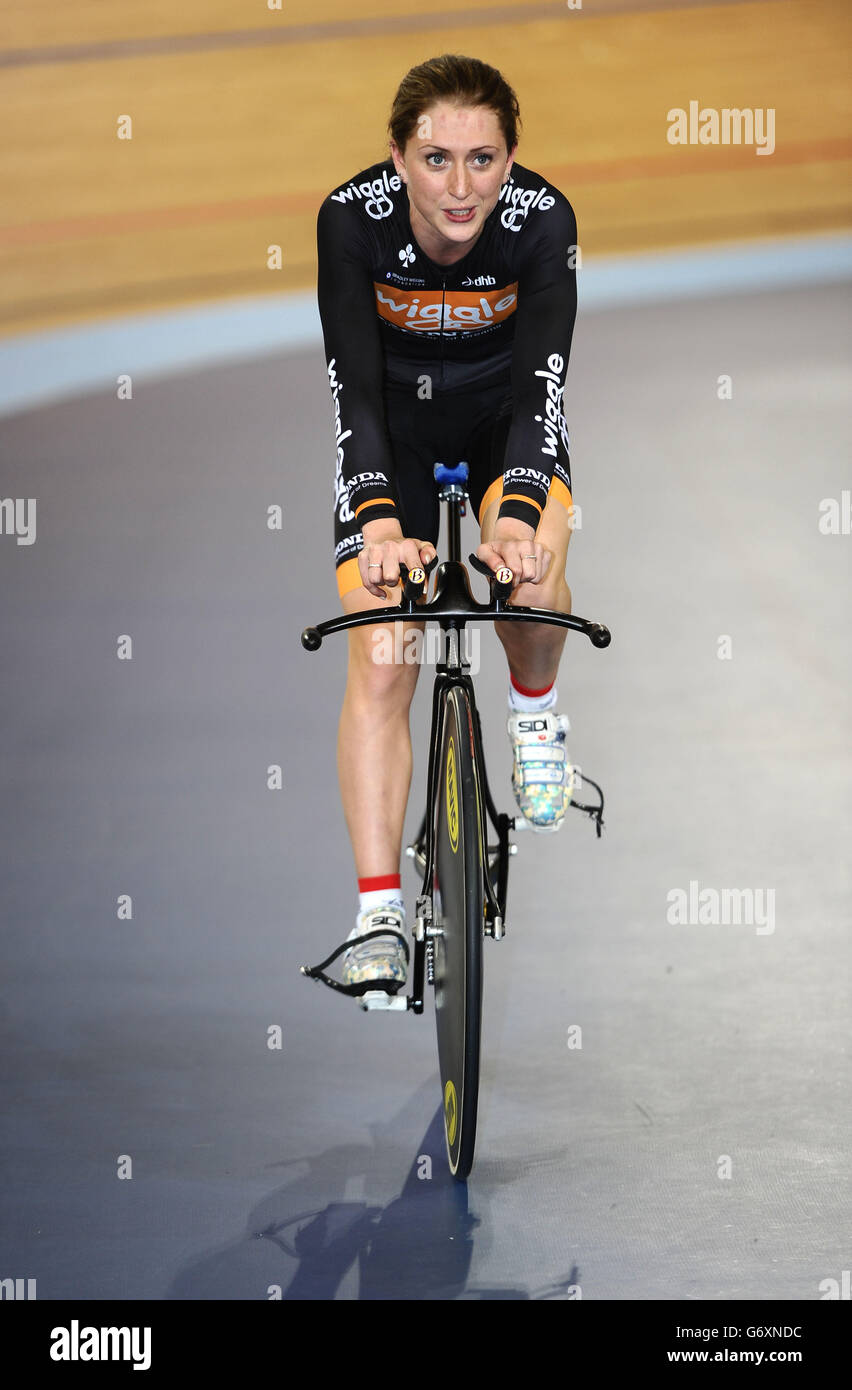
{"type": "Point", "coordinates": [439, 157]}
{"type": "Point", "coordinates": [489, 159]}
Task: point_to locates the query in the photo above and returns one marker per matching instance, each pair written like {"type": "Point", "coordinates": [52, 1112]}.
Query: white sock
{"type": "Point", "coordinates": [380, 897]}
{"type": "Point", "coordinates": [532, 704]}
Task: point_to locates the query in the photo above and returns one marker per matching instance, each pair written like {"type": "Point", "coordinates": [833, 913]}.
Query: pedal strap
{"type": "Point", "coordinates": [317, 972]}
{"type": "Point", "coordinates": [537, 764]}
{"type": "Point", "coordinates": [534, 776]}
{"type": "Point", "coordinates": [594, 812]}
{"type": "Point", "coordinates": [539, 753]}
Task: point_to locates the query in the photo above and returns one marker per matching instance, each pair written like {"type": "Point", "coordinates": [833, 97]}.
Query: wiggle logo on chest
{"type": "Point", "coordinates": [456, 311]}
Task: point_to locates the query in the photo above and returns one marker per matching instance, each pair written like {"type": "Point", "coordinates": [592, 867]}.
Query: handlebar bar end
{"type": "Point", "coordinates": [600, 635]}
{"type": "Point", "coordinates": [311, 639]}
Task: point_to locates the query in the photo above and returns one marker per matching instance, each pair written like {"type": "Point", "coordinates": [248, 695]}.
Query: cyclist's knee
{"type": "Point", "coordinates": [383, 661]}
{"type": "Point", "coordinates": [553, 592]}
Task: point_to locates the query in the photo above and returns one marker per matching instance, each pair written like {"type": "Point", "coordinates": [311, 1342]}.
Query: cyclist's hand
{"type": "Point", "coordinates": [384, 547]}
{"type": "Point", "coordinates": [514, 544]}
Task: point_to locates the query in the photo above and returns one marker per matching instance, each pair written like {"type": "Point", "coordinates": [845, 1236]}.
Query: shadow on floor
{"type": "Point", "coordinates": [301, 1246]}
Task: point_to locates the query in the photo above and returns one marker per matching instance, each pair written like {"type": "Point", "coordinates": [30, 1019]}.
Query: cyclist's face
{"type": "Point", "coordinates": [454, 165]}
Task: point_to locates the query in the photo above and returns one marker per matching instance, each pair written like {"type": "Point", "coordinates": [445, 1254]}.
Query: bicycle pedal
{"type": "Point", "coordinates": [521, 823]}
{"type": "Point", "coordinates": [380, 999]}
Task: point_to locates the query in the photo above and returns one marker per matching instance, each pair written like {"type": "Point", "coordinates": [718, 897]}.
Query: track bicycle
{"type": "Point", "coordinates": [464, 878]}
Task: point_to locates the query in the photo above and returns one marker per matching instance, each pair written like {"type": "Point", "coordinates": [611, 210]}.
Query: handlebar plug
{"type": "Point", "coordinates": [600, 635]}
{"type": "Point", "coordinates": [311, 639]}
{"type": "Point", "coordinates": [413, 582]}
{"type": "Point", "coordinates": [501, 581]}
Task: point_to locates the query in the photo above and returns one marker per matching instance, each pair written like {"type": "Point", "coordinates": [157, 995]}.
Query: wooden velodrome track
{"type": "Point", "coordinates": [244, 117]}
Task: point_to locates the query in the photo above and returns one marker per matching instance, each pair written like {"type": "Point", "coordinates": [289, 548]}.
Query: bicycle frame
{"type": "Point", "coordinates": [453, 606]}
{"type": "Point", "coordinates": [453, 671]}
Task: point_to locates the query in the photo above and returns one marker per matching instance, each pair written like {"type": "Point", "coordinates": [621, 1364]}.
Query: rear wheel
{"type": "Point", "coordinates": [458, 923]}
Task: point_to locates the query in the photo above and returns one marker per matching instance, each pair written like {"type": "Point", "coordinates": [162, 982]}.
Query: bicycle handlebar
{"type": "Point", "coordinates": [454, 603]}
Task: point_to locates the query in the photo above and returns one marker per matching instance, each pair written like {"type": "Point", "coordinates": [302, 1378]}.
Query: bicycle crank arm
{"type": "Point", "coordinates": [379, 999]}
{"type": "Point", "coordinates": [521, 823]}
{"type": "Point", "coordinates": [424, 927]}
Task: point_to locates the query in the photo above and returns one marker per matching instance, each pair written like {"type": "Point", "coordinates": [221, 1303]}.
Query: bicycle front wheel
{"type": "Point", "coordinates": [458, 920]}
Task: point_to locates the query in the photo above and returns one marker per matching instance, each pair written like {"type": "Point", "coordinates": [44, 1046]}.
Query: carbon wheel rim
{"type": "Point", "coordinates": [458, 943]}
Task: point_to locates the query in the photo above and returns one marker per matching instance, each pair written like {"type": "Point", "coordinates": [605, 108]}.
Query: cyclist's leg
{"type": "Point", "coordinates": [533, 649]}
{"type": "Point", "coordinates": [542, 778]}
{"type": "Point", "coordinates": [374, 743]}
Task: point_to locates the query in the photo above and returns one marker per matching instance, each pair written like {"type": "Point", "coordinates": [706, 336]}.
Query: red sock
{"type": "Point", "coordinates": [524, 700]}
{"type": "Point", "coordinates": [383, 888]}
{"type": "Point", "coordinates": [372, 885]}
{"type": "Point", "coordinates": [525, 690]}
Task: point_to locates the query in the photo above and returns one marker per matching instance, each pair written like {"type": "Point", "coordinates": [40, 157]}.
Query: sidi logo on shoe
{"type": "Point", "coordinates": [531, 726]}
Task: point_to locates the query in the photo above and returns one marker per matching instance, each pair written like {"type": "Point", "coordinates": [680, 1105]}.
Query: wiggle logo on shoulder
{"type": "Point", "coordinates": [420, 311]}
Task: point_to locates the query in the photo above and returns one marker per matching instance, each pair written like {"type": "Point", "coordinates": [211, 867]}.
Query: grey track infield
{"type": "Point", "coordinates": [695, 1145]}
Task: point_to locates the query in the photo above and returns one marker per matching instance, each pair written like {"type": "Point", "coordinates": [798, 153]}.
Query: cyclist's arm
{"type": "Point", "coordinates": [544, 327]}
{"type": "Point", "coordinates": [355, 365]}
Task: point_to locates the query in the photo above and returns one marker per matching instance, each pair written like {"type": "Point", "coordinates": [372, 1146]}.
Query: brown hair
{"type": "Point", "coordinates": [465, 81]}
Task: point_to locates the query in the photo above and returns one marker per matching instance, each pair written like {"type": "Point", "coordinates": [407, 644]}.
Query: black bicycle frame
{"type": "Point", "coordinates": [453, 606]}
{"type": "Point", "coordinates": [452, 672]}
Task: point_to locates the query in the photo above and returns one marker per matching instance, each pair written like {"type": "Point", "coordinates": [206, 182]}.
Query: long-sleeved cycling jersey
{"type": "Point", "coordinates": [503, 314]}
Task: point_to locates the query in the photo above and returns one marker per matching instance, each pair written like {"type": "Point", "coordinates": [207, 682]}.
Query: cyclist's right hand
{"type": "Point", "coordinates": [384, 547]}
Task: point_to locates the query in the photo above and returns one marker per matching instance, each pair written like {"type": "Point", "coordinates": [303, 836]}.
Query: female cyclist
{"type": "Point", "coordinates": [447, 294]}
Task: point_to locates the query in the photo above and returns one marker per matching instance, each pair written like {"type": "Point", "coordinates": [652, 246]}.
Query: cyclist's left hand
{"type": "Point", "coordinates": [514, 544]}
